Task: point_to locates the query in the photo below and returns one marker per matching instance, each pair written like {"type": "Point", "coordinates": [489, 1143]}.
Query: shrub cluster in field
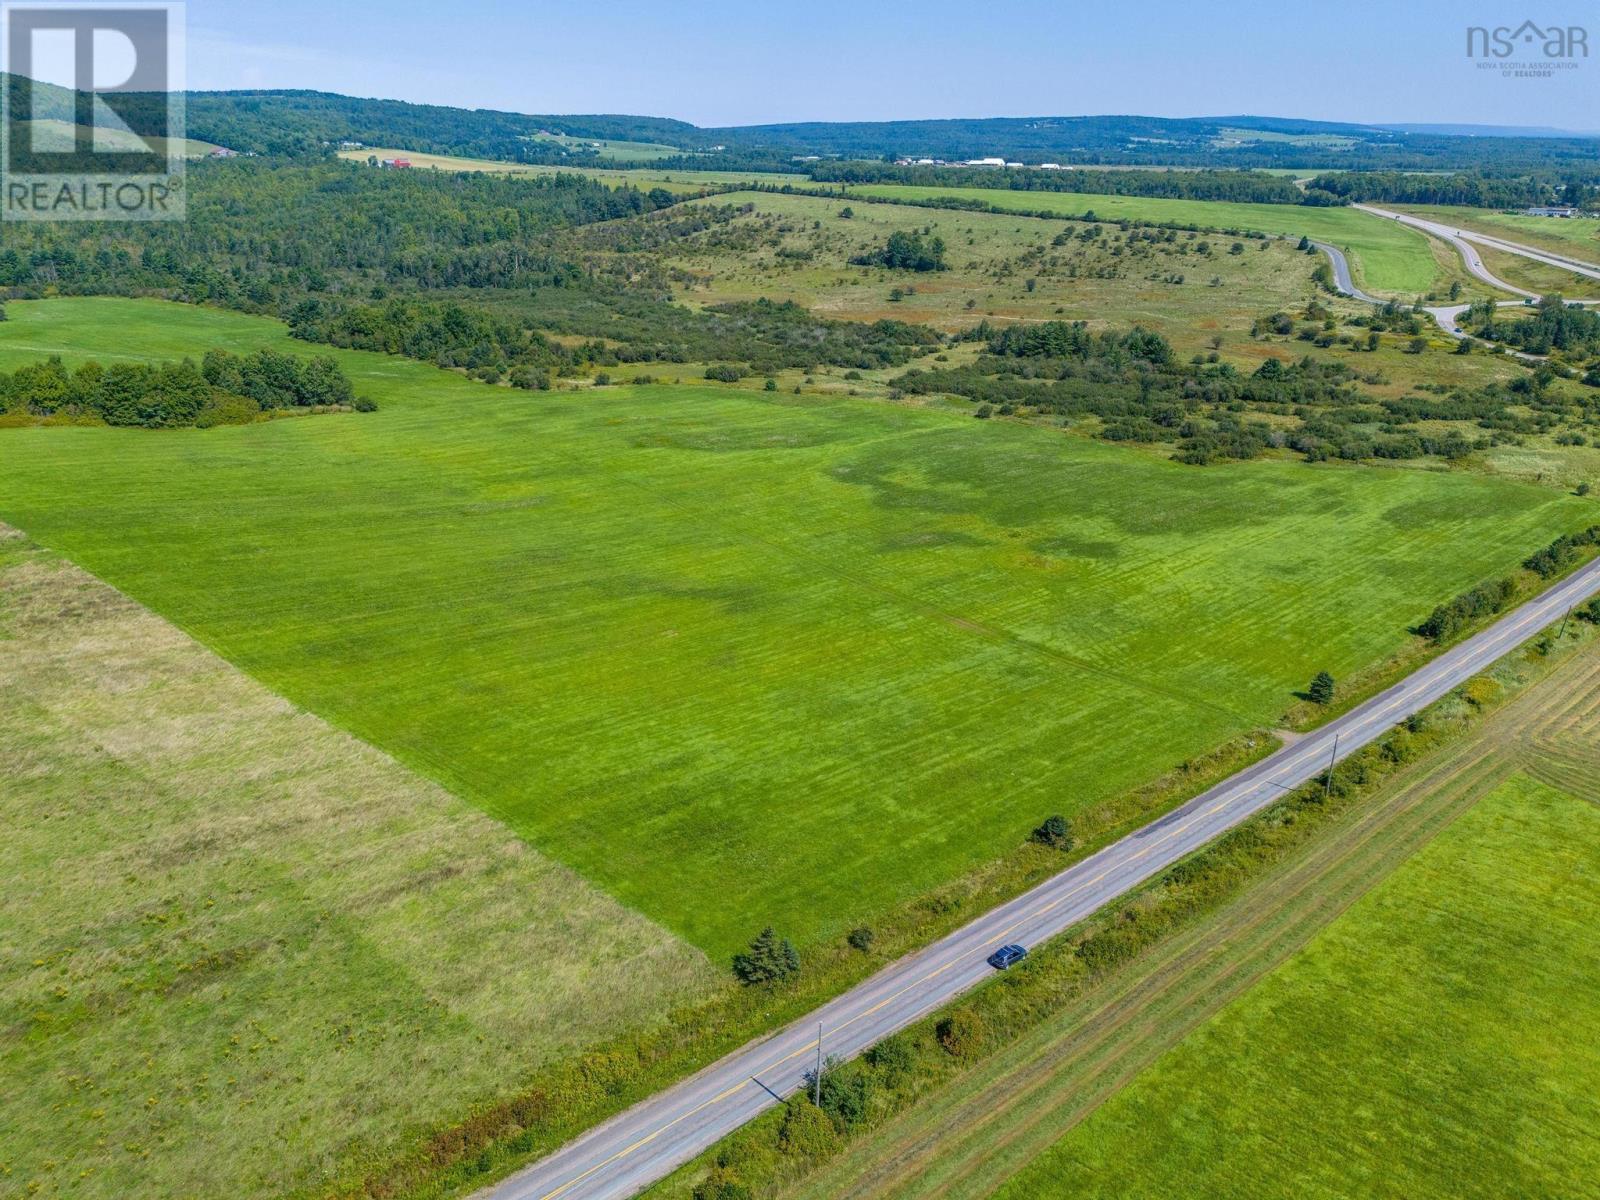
{"type": "Point", "coordinates": [1492, 597]}
{"type": "Point", "coordinates": [1141, 393]}
{"type": "Point", "coordinates": [906, 252]}
{"type": "Point", "coordinates": [224, 389]}
{"type": "Point", "coordinates": [1550, 327]}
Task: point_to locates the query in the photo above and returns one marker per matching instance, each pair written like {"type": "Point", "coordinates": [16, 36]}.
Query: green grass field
{"type": "Point", "coordinates": [1386, 257]}
{"type": "Point", "coordinates": [242, 952]}
{"type": "Point", "coordinates": [115, 139]}
{"type": "Point", "coordinates": [607, 148]}
{"type": "Point", "coordinates": [736, 656]}
{"type": "Point", "coordinates": [977, 1127]}
{"type": "Point", "coordinates": [1439, 1040]}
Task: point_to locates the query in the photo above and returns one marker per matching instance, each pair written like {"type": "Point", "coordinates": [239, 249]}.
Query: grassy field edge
{"type": "Point", "coordinates": [1119, 950]}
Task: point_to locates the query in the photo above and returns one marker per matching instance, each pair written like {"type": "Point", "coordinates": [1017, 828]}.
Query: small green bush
{"type": "Point", "coordinates": [961, 1033]}
{"type": "Point", "coordinates": [1056, 832]}
{"type": "Point", "coordinates": [807, 1132]}
{"type": "Point", "coordinates": [769, 959]}
{"type": "Point", "coordinates": [720, 1185]}
{"type": "Point", "coordinates": [1321, 689]}
{"type": "Point", "coordinates": [892, 1057]}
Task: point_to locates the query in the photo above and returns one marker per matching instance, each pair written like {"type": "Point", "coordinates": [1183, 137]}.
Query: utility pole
{"type": "Point", "coordinates": [1562, 632]}
{"type": "Point", "coordinates": [1333, 761]}
{"type": "Point", "coordinates": [816, 1082]}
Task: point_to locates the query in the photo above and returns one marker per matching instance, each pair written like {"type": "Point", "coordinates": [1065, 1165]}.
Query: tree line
{"type": "Point", "coordinates": [767, 334]}
{"type": "Point", "coordinates": [1575, 185]}
{"type": "Point", "coordinates": [1254, 187]}
{"type": "Point", "coordinates": [225, 388]}
{"type": "Point", "coordinates": [1489, 598]}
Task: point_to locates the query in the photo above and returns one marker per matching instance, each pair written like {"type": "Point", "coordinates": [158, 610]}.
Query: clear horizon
{"type": "Point", "coordinates": [724, 64]}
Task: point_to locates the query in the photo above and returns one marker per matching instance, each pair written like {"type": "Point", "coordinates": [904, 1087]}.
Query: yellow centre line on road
{"type": "Point", "coordinates": [1293, 762]}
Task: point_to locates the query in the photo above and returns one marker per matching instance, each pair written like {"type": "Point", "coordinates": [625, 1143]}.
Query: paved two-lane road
{"type": "Point", "coordinates": [619, 1158]}
{"type": "Point", "coordinates": [1343, 280]}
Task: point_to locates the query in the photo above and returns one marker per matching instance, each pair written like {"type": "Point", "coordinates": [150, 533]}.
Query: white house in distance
{"type": "Point", "coordinates": [1539, 211]}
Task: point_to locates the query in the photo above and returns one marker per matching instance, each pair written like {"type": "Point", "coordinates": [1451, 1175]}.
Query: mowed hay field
{"type": "Point", "coordinates": [741, 657]}
{"type": "Point", "coordinates": [1439, 1040]}
{"type": "Point", "coordinates": [1385, 257]}
{"type": "Point", "coordinates": [239, 950]}
{"type": "Point", "coordinates": [966, 1137]}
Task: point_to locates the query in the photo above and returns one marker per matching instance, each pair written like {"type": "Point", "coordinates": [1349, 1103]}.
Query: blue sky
{"type": "Point", "coordinates": [717, 62]}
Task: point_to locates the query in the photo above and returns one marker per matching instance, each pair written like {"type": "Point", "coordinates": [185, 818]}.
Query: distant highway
{"type": "Point", "coordinates": [1462, 240]}
{"type": "Point", "coordinates": [634, 1149]}
{"type": "Point", "coordinates": [1447, 315]}
{"type": "Point", "coordinates": [1456, 238]}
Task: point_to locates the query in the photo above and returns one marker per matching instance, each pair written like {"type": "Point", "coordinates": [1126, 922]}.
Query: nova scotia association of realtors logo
{"type": "Point", "coordinates": [92, 111]}
{"type": "Point", "coordinates": [1528, 50]}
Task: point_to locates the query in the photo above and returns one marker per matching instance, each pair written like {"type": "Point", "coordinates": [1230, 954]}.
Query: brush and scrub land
{"type": "Point", "coordinates": [1386, 258]}
{"type": "Point", "coordinates": [746, 245]}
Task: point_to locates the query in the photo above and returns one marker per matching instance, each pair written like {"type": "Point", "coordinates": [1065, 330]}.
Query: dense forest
{"type": "Point", "coordinates": [1577, 186]}
{"type": "Point", "coordinates": [1252, 186]}
{"type": "Point", "coordinates": [226, 389]}
{"type": "Point", "coordinates": [300, 122]}
{"type": "Point", "coordinates": [260, 231]}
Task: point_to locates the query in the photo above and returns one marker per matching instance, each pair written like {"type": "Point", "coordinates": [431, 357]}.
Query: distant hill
{"type": "Point", "coordinates": [308, 122]}
{"type": "Point", "coordinates": [1514, 131]}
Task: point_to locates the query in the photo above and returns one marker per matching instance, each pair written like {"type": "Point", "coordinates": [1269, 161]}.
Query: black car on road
{"type": "Point", "coordinates": [1007, 957]}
